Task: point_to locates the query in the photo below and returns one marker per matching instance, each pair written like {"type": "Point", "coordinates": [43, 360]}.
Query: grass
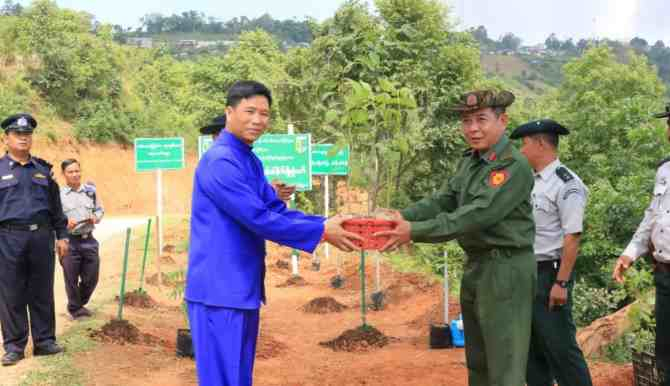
{"type": "Point", "coordinates": [60, 369]}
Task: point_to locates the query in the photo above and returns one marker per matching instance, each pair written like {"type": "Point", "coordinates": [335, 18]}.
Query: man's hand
{"type": "Point", "coordinates": [399, 236]}
{"type": "Point", "coordinates": [622, 264]}
{"type": "Point", "coordinates": [62, 247]}
{"type": "Point", "coordinates": [283, 191]}
{"type": "Point", "coordinates": [337, 236]}
{"type": "Point", "coordinates": [71, 224]}
{"type": "Point", "coordinates": [558, 296]}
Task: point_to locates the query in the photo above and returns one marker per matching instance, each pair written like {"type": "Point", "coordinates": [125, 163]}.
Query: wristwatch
{"type": "Point", "coordinates": [562, 283]}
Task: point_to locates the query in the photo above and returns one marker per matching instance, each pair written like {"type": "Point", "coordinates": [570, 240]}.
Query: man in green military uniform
{"type": "Point", "coordinates": [486, 207]}
{"type": "Point", "coordinates": [559, 200]}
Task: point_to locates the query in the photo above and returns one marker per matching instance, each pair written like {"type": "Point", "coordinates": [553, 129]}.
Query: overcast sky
{"type": "Point", "coordinates": [532, 20]}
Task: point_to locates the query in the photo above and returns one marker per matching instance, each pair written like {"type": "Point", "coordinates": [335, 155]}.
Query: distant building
{"type": "Point", "coordinates": [186, 44]}
{"type": "Point", "coordinates": [140, 42]}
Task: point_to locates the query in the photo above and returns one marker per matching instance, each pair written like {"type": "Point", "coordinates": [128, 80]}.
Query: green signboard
{"type": "Point", "coordinates": [204, 143]}
{"type": "Point", "coordinates": [325, 163]}
{"type": "Point", "coordinates": [159, 154]}
{"type": "Point", "coordinates": [286, 157]}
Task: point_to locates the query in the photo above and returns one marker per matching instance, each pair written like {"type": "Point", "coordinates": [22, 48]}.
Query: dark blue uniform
{"type": "Point", "coordinates": [30, 213]}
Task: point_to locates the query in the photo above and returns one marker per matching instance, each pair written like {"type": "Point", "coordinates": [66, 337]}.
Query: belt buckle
{"type": "Point", "coordinates": [84, 236]}
{"type": "Point", "coordinates": [33, 227]}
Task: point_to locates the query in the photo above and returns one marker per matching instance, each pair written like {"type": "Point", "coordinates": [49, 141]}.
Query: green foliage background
{"type": "Point", "coordinates": [380, 80]}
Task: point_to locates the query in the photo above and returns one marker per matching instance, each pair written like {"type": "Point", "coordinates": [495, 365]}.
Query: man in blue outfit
{"type": "Point", "coordinates": [234, 211]}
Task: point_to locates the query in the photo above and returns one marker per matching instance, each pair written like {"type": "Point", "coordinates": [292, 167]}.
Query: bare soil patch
{"type": "Point", "coordinates": [139, 299]}
{"type": "Point", "coordinates": [363, 338]}
{"type": "Point", "coordinates": [293, 281]}
{"type": "Point", "coordinates": [323, 305]}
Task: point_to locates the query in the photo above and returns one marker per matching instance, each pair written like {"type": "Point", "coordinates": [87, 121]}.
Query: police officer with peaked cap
{"type": "Point", "coordinates": [559, 201]}
{"type": "Point", "coordinates": [30, 213]}
{"type": "Point", "coordinates": [654, 230]}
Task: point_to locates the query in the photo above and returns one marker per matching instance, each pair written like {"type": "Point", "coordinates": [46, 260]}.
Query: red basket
{"type": "Point", "coordinates": [366, 227]}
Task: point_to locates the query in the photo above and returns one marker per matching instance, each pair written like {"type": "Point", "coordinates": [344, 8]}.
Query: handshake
{"type": "Point", "coordinates": [384, 230]}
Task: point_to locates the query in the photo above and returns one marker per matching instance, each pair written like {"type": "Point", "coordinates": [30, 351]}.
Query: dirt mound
{"type": "Point", "coordinates": [117, 331]}
{"type": "Point", "coordinates": [359, 339]}
{"type": "Point", "coordinates": [139, 299]}
{"type": "Point", "coordinates": [607, 374]}
{"type": "Point", "coordinates": [122, 332]}
{"type": "Point", "coordinates": [282, 264]}
{"type": "Point", "coordinates": [408, 285]}
{"type": "Point", "coordinates": [293, 281]}
{"type": "Point", "coordinates": [167, 259]}
{"type": "Point", "coordinates": [593, 338]}
{"type": "Point", "coordinates": [268, 347]}
{"type": "Point", "coordinates": [171, 280]}
{"type": "Point", "coordinates": [323, 305]}
{"type": "Point", "coordinates": [435, 315]}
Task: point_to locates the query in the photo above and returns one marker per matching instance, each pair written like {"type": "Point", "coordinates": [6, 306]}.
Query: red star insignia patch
{"type": "Point", "coordinates": [498, 178]}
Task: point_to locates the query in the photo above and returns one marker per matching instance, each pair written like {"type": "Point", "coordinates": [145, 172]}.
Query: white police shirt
{"type": "Point", "coordinates": [559, 199]}
{"type": "Point", "coordinates": [655, 227]}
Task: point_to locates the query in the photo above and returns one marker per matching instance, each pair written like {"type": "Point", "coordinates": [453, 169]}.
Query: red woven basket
{"type": "Point", "coordinates": [366, 227]}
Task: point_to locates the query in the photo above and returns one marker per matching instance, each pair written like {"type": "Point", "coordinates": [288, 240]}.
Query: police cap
{"type": "Point", "coordinates": [215, 126]}
{"type": "Point", "coordinates": [539, 126]}
{"type": "Point", "coordinates": [21, 123]}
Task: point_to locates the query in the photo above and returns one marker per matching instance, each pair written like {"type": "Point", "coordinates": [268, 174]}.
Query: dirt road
{"type": "Point", "coordinates": [110, 268]}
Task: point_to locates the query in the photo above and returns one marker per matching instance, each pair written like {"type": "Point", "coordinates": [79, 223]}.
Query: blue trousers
{"type": "Point", "coordinates": [224, 342]}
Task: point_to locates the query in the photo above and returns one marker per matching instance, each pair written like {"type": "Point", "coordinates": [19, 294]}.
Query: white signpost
{"type": "Point", "coordinates": [158, 154]}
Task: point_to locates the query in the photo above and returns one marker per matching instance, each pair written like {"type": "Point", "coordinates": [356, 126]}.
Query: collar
{"type": "Point", "coordinates": [549, 170]}
{"type": "Point", "coordinates": [494, 152]}
{"type": "Point", "coordinates": [68, 189]}
{"type": "Point", "coordinates": [12, 163]}
{"type": "Point", "coordinates": [228, 138]}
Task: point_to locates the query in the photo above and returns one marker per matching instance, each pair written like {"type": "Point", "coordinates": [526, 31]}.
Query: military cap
{"type": "Point", "coordinates": [539, 126]}
{"type": "Point", "coordinates": [215, 126]}
{"type": "Point", "coordinates": [21, 123]}
{"type": "Point", "coordinates": [664, 114]}
{"type": "Point", "coordinates": [481, 99]}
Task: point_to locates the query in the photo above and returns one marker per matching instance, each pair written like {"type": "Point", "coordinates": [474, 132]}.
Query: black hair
{"type": "Point", "coordinates": [244, 89]}
{"type": "Point", "coordinates": [67, 162]}
{"type": "Point", "coordinates": [550, 138]}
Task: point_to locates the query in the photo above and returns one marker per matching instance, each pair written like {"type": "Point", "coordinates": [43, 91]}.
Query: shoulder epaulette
{"type": "Point", "coordinates": [663, 161]}
{"type": "Point", "coordinates": [564, 174]}
{"type": "Point", "coordinates": [43, 163]}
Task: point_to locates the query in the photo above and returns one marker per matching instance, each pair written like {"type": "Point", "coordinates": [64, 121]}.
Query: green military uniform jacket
{"type": "Point", "coordinates": [485, 205]}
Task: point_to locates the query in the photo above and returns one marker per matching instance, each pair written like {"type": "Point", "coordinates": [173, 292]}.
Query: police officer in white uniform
{"type": "Point", "coordinates": [559, 200]}
{"type": "Point", "coordinates": [653, 235]}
